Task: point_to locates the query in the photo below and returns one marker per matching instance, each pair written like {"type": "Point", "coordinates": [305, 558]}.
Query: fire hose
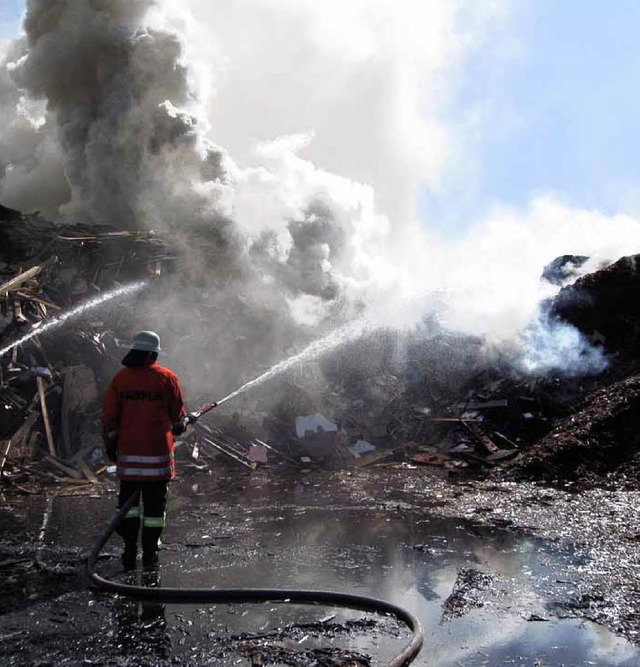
{"type": "Point", "coordinates": [255, 595]}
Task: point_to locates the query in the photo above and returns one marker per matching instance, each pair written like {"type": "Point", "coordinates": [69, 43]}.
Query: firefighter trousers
{"type": "Point", "coordinates": [154, 502]}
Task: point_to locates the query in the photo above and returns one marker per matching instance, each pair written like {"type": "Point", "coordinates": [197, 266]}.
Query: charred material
{"type": "Point", "coordinates": [605, 306]}
{"type": "Point", "coordinates": [427, 397]}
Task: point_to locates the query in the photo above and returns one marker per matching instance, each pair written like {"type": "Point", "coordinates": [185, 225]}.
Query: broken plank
{"type": "Point", "coordinates": [484, 405]}
{"type": "Point", "coordinates": [275, 451]}
{"type": "Point", "coordinates": [19, 279]}
{"type": "Point", "coordinates": [76, 474]}
{"type": "Point", "coordinates": [29, 296]}
{"type": "Point", "coordinates": [249, 464]}
{"type": "Point", "coordinates": [45, 415]}
{"type": "Point", "coordinates": [5, 454]}
{"type": "Point", "coordinates": [458, 420]}
{"type": "Point", "coordinates": [21, 436]}
{"type": "Point", "coordinates": [66, 429]}
{"type": "Point", "coordinates": [75, 482]}
{"type": "Point", "coordinates": [29, 492]}
{"type": "Point", "coordinates": [374, 457]}
{"type": "Point", "coordinates": [482, 438]}
{"type": "Point", "coordinates": [86, 470]}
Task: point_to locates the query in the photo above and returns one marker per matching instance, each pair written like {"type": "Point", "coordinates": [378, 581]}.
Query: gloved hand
{"type": "Point", "coordinates": [111, 445]}
{"type": "Point", "coordinates": [179, 427]}
{"type": "Point", "coordinates": [112, 453]}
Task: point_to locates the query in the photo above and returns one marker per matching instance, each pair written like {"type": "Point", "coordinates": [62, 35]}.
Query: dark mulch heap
{"type": "Point", "coordinates": [601, 440]}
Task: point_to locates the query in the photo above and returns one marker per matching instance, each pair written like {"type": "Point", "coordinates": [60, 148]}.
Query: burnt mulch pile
{"type": "Point", "coordinates": [605, 305]}
{"type": "Point", "coordinates": [601, 440]}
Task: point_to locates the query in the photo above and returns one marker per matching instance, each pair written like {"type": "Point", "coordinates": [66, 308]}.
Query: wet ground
{"type": "Point", "coordinates": [499, 574]}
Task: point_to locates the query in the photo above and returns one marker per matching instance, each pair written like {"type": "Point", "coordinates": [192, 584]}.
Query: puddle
{"type": "Point", "coordinates": [484, 595]}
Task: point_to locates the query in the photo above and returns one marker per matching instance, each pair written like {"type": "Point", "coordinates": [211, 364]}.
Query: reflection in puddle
{"type": "Point", "coordinates": [484, 595]}
{"type": "Point", "coordinates": [409, 559]}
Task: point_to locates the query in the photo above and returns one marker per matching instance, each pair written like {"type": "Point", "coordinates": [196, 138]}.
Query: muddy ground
{"type": "Point", "coordinates": [500, 573]}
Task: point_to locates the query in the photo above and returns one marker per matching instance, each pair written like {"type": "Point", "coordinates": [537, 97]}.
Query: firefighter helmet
{"type": "Point", "coordinates": [146, 341]}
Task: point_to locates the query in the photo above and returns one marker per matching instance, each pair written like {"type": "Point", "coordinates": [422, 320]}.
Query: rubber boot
{"type": "Point", "coordinates": [129, 530]}
{"type": "Point", "coordinates": [150, 544]}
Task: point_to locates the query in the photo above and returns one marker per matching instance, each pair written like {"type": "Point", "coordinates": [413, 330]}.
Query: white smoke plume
{"type": "Point", "coordinates": [555, 346]}
{"type": "Point", "coordinates": [298, 134]}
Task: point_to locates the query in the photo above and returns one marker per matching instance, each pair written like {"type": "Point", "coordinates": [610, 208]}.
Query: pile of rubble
{"type": "Point", "coordinates": [446, 406]}
{"type": "Point", "coordinates": [379, 413]}
{"type": "Point", "coordinates": [605, 307]}
{"type": "Point", "coordinates": [50, 387]}
{"type": "Point", "coordinates": [440, 402]}
{"type": "Point", "coordinates": [600, 441]}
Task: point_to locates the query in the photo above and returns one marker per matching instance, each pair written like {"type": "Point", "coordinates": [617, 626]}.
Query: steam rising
{"type": "Point", "coordinates": [294, 136]}
{"type": "Point", "coordinates": [550, 345]}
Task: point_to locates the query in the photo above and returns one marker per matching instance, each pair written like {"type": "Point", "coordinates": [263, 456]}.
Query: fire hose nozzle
{"type": "Point", "coordinates": [194, 416]}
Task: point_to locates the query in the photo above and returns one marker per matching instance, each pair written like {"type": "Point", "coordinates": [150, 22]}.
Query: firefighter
{"type": "Point", "coordinates": [142, 411]}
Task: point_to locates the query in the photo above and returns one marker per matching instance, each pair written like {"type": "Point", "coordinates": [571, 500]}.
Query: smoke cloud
{"type": "Point", "coordinates": [292, 138]}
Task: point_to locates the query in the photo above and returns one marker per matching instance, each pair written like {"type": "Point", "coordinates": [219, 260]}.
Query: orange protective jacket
{"type": "Point", "coordinates": [139, 408]}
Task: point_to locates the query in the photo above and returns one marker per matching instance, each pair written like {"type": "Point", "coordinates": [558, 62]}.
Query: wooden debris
{"type": "Point", "coordinates": [19, 280]}
{"type": "Point", "coordinates": [5, 454]}
{"type": "Point", "coordinates": [21, 436]}
{"type": "Point", "coordinates": [88, 473]}
{"type": "Point", "coordinates": [71, 472]}
{"type": "Point", "coordinates": [249, 464]}
{"type": "Point", "coordinates": [45, 415]}
{"type": "Point", "coordinates": [481, 437]}
{"type": "Point", "coordinates": [214, 437]}
{"type": "Point", "coordinates": [375, 457]}
{"type": "Point", "coordinates": [279, 453]}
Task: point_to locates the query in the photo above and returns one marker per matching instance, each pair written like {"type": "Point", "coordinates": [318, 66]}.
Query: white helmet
{"type": "Point", "coordinates": [146, 341]}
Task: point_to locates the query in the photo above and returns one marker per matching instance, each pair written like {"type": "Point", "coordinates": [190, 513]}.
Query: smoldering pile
{"type": "Point", "coordinates": [435, 397]}
{"type": "Point", "coordinates": [425, 396]}
{"type": "Point", "coordinates": [598, 441]}
{"type": "Point", "coordinates": [104, 122]}
{"type": "Point", "coordinates": [51, 384]}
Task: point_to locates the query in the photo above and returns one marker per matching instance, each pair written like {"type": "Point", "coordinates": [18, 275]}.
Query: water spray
{"type": "Point", "coordinates": [126, 290]}
{"type": "Point", "coordinates": [344, 334]}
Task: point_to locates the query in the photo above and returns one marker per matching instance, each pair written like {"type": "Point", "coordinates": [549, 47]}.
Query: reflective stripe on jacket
{"type": "Point", "coordinates": [141, 404]}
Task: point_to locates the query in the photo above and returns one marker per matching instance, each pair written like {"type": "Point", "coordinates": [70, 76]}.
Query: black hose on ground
{"type": "Point", "coordinates": [244, 595]}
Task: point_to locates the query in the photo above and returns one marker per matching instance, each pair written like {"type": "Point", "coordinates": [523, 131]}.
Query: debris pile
{"type": "Point", "coordinates": [429, 397]}
{"type": "Point", "coordinates": [446, 405]}
{"type": "Point", "coordinates": [601, 439]}
{"type": "Point", "coordinates": [598, 440]}
{"type": "Point", "coordinates": [605, 306]}
{"type": "Point", "coordinates": [474, 414]}
{"type": "Point", "coordinates": [50, 388]}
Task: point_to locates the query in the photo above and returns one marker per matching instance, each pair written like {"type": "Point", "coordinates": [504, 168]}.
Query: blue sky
{"type": "Point", "coordinates": [10, 11]}
{"type": "Point", "coordinates": [554, 108]}
{"type": "Point", "coordinates": [559, 115]}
